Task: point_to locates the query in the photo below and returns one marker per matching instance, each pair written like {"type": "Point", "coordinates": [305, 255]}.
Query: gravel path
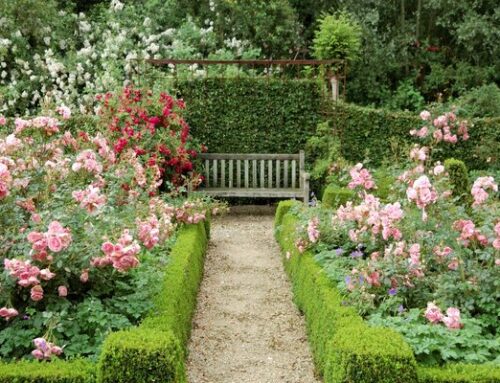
{"type": "Point", "coordinates": [246, 328]}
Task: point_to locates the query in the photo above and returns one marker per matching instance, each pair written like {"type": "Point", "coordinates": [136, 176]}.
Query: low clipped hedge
{"type": "Point", "coordinates": [460, 373]}
{"type": "Point", "coordinates": [156, 350]}
{"type": "Point", "coordinates": [57, 371]}
{"type": "Point", "coordinates": [345, 349]}
{"type": "Point", "coordinates": [153, 352]}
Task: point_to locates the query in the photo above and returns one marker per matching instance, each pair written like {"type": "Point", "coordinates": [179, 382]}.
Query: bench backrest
{"type": "Point", "coordinates": [238, 170]}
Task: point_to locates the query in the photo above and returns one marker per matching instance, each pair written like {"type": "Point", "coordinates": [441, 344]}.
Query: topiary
{"type": "Point", "coordinates": [459, 178]}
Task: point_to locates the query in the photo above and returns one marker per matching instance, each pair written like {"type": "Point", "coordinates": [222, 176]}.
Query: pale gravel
{"type": "Point", "coordinates": [246, 327]}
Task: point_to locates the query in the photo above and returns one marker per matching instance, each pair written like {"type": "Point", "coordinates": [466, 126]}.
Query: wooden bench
{"type": "Point", "coordinates": [255, 175]}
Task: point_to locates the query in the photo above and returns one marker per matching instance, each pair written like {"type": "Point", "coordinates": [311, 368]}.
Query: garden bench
{"type": "Point", "coordinates": [255, 175]}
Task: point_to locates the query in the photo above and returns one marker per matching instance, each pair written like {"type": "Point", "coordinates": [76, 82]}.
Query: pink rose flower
{"type": "Point", "coordinates": [62, 291]}
{"type": "Point", "coordinates": [433, 313]}
{"type": "Point", "coordinates": [452, 318]}
{"type": "Point", "coordinates": [36, 293]}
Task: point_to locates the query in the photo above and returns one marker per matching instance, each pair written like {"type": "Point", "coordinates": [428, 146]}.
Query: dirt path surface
{"type": "Point", "coordinates": [246, 328]}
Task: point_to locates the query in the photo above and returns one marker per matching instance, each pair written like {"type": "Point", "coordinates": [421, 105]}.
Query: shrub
{"type": "Point", "coordinates": [142, 355]}
{"type": "Point", "coordinates": [483, 101]}
{"type": "Point", "coordinates": [460, 373]}
{"type": "Point", "coordinates": [338, 37]}
{"type": "Point", "coordinates": [406, 97]}
{"type": "Point", "coordinates": [459, 178]}
{"type": "Point", "coordinates": [75, 371]}
{"type": "Point", "coordinates": [334, 196]}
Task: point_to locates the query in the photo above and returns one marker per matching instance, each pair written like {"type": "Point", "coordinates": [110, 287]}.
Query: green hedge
{"type": "Point", "coordinates": [460, 373]}
{"type": "Point", "coordinates": [155, 352]}
{"type": "Point", "coordinates": [345, 349]}
{"type": "Point", "coordinates": [57, 371]}
{"type": "Point", "coordinates": [252, 115]}
{"type": "Point", "coordinates": [383, 135]}
{"type": "Point", "coordinates": [334, 196]}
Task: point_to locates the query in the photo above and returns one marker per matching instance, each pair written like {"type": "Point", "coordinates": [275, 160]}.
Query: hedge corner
{"type": "Point", "coordinates": [141, 355]}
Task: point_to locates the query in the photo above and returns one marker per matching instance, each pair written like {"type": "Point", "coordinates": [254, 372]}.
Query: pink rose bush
{"type": "Point", "coordinates": [86, 225]}
{"type": "Point", "coordinates": [418, 259]}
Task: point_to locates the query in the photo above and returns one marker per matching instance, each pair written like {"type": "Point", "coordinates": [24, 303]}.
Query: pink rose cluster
{"type": "Point", "coordinates": [44, 350]}
{"type": "Point", "coordinates": [57, 238]}
{"type": "Point", "coordinates": [434, 315]}
{"type": "Point", "coordinates": [480, 187]}
{"type": "Point", "coordinates": [361, 177]}
{"type": "Point", "coordinates": [49, 124]}
{"type": "Point", "coordinates": [5, 181]}
{"type": "Point", "coordinates": [28, 275]}
{"type": "Point", "coordinates": [122, 255]}
{"type": "Point", "coordinates": [496, 241]}
{"type": "Point", "coordinates": [8, 314]}
{"type": "Point", "coordinates": [312, 230]}
{"type": "Point", "coordinates": [87, 160]}
{"type": "Point", "coordinates": [90, 199]}
{"type": "Point", "coordinates": [3, 120]}
{"type": "Point", "coordinates": [422, 193]}
{"type": "Point", "coordinates": [301, 245]}
{"type": "Point", "coordinates": [149, 231]}
{"type": "Point", "coordinates": [104, 149]}
{"type": "Point", "coordinates": [371, 215]}
{"type": "Point", "coordinates": [188, 213]}
{"type": "Point", "coordinates": [419, 153]}
{"type": "Point", "coordinates": [446, 128]}
{"type": "Point", "coordinates": [469, 233]}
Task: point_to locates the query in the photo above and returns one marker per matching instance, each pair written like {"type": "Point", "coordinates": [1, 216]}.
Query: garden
{"type": "Point", "coordinates": [394, 262]}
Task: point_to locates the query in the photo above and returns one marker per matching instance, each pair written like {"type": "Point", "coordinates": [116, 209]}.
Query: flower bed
{"type": "Point", "coordinates": [85, 233]}
{"type": "Point", "coordinates": [425, 262]}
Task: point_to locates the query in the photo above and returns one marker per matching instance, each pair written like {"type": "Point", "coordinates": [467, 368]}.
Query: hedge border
{"type": "Point", "coordinates": [345, 349]}
{"type": "Point", "coordinates": [156, 350]}
{"type": "Point", "coordinates": [152, 352]}
{"type": "Point", "coordinates": [343, 345]}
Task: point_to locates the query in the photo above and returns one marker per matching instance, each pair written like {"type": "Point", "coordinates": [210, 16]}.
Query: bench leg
{"type": "Point", "coordinates": [306, 189]}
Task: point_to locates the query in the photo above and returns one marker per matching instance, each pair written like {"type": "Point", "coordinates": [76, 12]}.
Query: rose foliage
{"type": "Point", "coordinates": [84, 231]}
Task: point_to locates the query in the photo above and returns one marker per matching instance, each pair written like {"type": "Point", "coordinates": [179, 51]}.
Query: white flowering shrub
{"type": "Point", "coordinates": [69, 57]}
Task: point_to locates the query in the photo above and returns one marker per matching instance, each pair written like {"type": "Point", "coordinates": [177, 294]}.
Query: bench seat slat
{"type": "Point", "coordinates": [243, 156]}
{"type": "Point", "coordinates": [253, 192]}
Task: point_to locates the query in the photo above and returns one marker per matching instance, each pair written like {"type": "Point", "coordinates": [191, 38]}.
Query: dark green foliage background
{"type": "Point", "coordinates": [252, 115]}
{"type": "Point", "coordinates": [378, 133]}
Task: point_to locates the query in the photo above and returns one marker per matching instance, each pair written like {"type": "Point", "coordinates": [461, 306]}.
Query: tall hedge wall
{"type": "Point", "coordinates": [250, 115]}
{"type": "Point", "coordinates": [367, 132]}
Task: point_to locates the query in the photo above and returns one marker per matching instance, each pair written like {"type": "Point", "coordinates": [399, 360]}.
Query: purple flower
{"type": "Point", "coordinates": [347, 280]}
{"type": "Point", "coordinates": [401, 309]}
{"type": "Point", "coordinates": [356, 254]}
{"type": "Point", "coordinates": [392, 291]}
{"type": "Point", "coordinates": [339, 251]}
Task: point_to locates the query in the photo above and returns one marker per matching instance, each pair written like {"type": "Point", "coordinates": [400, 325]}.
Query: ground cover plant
{"type": "Point", "coordinates": [85, 231]}
{"type": "Point", "coordinates": [424, 259]}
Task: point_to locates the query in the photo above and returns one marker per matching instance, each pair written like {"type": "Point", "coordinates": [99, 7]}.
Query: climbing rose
{"type": "Point", "coordinates": [3, 120]}
{"type": "Point", "coordinates": [90, 199]}
{"type": "Point", "coordinates": [5, 180]}
{"type": "Point", "coordinates": [64, 111]}
{"type": "Point", "coordinates": [425, 115]}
